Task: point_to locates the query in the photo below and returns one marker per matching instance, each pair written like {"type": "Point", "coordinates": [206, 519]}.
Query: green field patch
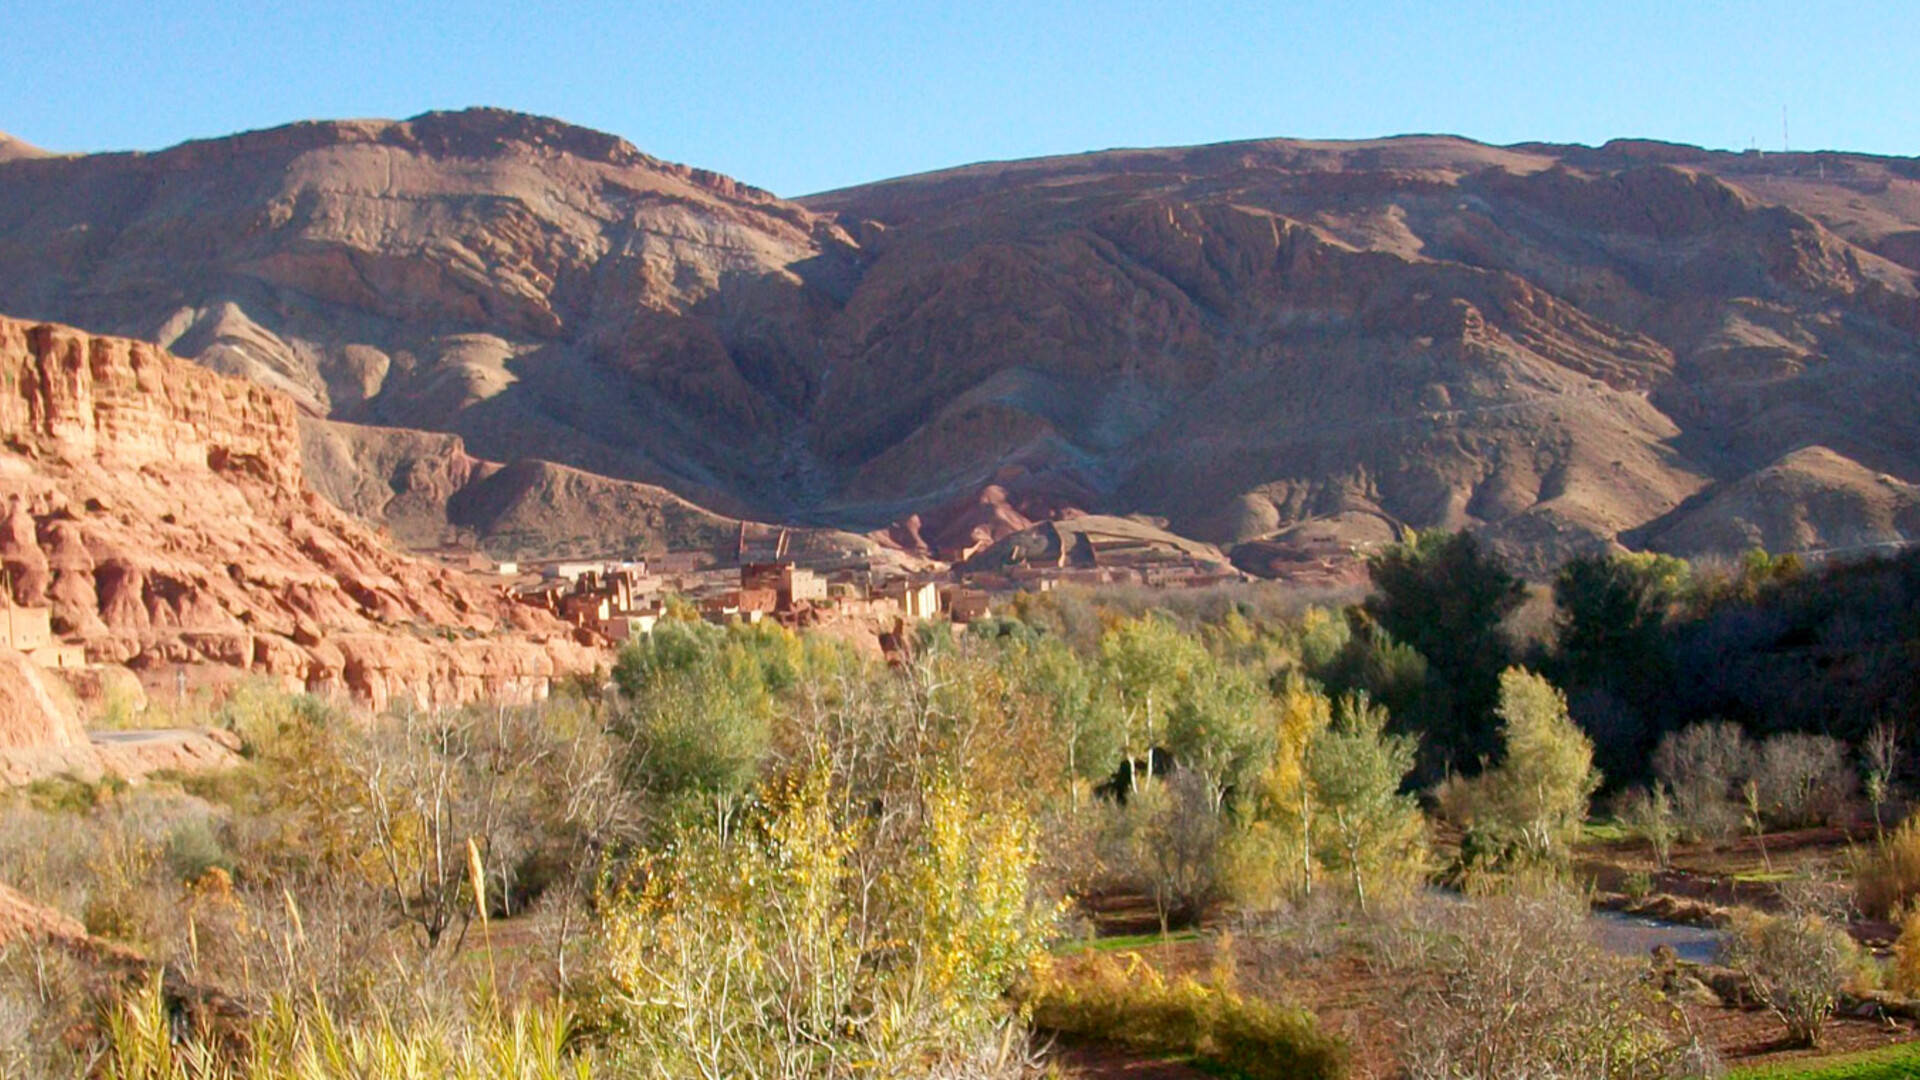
{"type": "Point", "coordinates": [1605, 832]}
{"type": "Point", "coordinates": [1891, 1063]}
{"type": "Point", "coordinates": [1764, 877]}
{"type": "Point", "coordinates": [1124, 942]}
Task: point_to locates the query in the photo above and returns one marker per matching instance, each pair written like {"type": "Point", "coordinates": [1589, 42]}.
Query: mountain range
{"type": "Point", "coordinates": [510, 328]}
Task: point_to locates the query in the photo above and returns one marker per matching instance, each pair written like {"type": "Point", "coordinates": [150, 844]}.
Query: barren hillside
{"type": "Point", "coordinates": [1557, 345]}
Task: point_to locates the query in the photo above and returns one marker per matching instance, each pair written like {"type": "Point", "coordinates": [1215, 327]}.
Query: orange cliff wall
{"type": "Point", "coordinates": [128, 404]}
{"type": "Point", "coordinates": [160, 509]}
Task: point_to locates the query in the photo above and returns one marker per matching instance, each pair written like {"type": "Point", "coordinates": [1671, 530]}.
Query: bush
{"type": "Point", "coordinates": [1806, 780]}
{"type": "Point", "coordinates": [1137, 1007]}
{"type": "Point", "coordinates": [804, 934]}
{"type": "Point", "coordinates": [1888, 878]}
{"type": "Point", "coordinates": [305, 1041]}
{"type": "Point", "coordinates": [193, 848]}
{"type": "Point", "coordinates": [1703, 766]}
{"type": "Point", "coordinates": [1524, 992]}
{"type": "Point", "coordinates": [1904, 973]}
{"type": "Point", "coordinates": [1171, 842]}
{"type": "Point", "coordinates": [1797, 963]}
{"type": "Point", "coordinates": [1649, 814]}
{"type": "Point", "coordinates": [41, 1001]}
{"type": "Point", "coordinates": [1637, 885]}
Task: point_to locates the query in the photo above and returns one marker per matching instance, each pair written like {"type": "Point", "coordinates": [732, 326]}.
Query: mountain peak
{"type": "Point", "coordinates": [12, 149]}
{"type": "Point", "coordinates": [483, 128]}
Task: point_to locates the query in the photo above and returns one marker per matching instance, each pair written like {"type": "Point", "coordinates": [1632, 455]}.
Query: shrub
{"type": "Point", "coordinates": [1137, 1007]}
{"type": "Point", "coordinates": [304, 1040]}
{"type": "Point", "coordinates": [1888, 878]}
{"type": "Point", "coordinates": [806, 935]}
{"type": "Point", "coordinates": [1637, 885]}
{"type": "Point", "coordinates": [193, 848]}
{"type": "Point", "coordinates": [1703, 766]}
{"type": "Point", "coordinates": [1805, 780]}
{"type": "Point", "coordinates": [1524, 992]}
{"type": "Point", "coordinates": [1797, 963]}
{"type": "Point", "coordinates": [1904, 973]}
{"type": "Point", "coordinates": [1649, 814]}
{"type": "Point", "coordinates": [1173, 845]}
{"type": "Point", "coordinates": [41, 1001]}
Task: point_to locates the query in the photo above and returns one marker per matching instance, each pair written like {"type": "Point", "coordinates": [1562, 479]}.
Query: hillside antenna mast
{"type": "Point", "coordinates": [1785, 145]}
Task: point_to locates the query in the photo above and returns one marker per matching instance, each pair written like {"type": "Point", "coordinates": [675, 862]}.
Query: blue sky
{"type": "Point", "coordinates": [800, 97]}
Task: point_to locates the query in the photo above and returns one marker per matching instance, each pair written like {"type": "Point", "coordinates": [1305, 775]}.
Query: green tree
{"type": "Point", "coordinates": [1146, 662]}
{"type": "Point", "coordinates": [1446, 596]}
{"type": "Point", "coordinates": [1614, 652]}
{"type": "Point", "coordinates": [1540, 789]}
{"type": "Point", "coordinates": [1085, 721]}
{"type": "Point", "coordinates": [1222, 726]}
{"type": "Point", "coordinates": [1377, 834]}
{"type": "Point", "coordinates": [1612, 611]}
{"type": "Point", "coordinates": [1393, 675]}
{"type": "Point", "coordinates": [696, 711]}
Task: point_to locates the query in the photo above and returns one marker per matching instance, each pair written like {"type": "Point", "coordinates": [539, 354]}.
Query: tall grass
{"type": "Point", "coordinates": [1131, 1004]}
{"type": "Point", "coordinates": [1887, 876]}
{"type": "Point", "coordinates": [305, 1041]}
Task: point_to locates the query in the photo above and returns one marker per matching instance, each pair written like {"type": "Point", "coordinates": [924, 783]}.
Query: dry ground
{"type": "Point", "coordinates": [1359, 1002]}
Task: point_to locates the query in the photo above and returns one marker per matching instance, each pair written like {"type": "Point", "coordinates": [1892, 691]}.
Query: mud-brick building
{"type": "Point", "coordinates": [30, 630]}
{"type": "Point", "coordinates": [791, 585]}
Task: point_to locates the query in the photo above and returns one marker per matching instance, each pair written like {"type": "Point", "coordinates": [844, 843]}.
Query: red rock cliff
{"type": "Point", "coordinates": [160, 509]}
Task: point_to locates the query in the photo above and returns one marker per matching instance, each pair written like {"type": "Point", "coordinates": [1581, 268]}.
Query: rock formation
{"type": "Point", "coordinates": [36, 710]}
{"type": "Point", "coordinates": [429, 492]}
{"type": "Point", "coordinates": [161, 510]}
{"type": "Point", "coordinates": [23, 921]}
{"type": "Point", "coordinates": [1555, 345]}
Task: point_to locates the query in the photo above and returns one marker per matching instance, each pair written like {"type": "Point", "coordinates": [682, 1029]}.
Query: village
{"type": "Point", "coordinates": [845, 591]}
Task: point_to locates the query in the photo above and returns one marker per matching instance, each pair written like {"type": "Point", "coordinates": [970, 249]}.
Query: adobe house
{"type": "Point", "coordinates": [917, 600]}
{"type": "Point", "coordinates": [30, 630]}
{"type": "Point", "coordinates": [968, 605]}
{"type": "Point", "coordinates": [678, 562]}
{"type": "Point", "coordinates": [27, 628]}
{"type": "Point", "coordinates": [747, 604]}
{"type": "Point", "coordinates": [790, 584]}
{"type": "Point", "coordinates": [630, 627]}
{"type": "Point", "coordinates": [607, 599]}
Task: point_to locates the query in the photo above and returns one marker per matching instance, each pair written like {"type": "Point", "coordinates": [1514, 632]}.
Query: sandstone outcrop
{"type": "Point", "coordinates": [1555, 345]}
{"type": "Point", "coordinates": [161, 510]}
{"type": "Point", "coordinates": [36, 710]}
{"type": "Point", "coordinates": [22, 920]}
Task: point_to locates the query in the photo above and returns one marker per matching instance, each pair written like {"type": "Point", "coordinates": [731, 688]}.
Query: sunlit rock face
{"type": "Point", "coordinates": [161, 511]}
{"type": "Point", "coordinates": [1559, 346]}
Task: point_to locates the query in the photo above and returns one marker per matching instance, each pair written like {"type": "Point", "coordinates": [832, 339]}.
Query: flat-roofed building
{"type": "Point", "coordinates": [26, 628]}
{"type": "Point", "coordinates": [917, 599]}
{"type": "Point", "coordinates": [792, 585]}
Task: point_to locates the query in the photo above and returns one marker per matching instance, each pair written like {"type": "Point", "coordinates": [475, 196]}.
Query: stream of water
{"type": "Point", "coordinates": [1632, 935]}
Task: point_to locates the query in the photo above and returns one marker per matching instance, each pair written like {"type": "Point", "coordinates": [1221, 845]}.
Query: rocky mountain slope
{"type": "Point", "coordinates": [429, 493]}
{"type": "Point", "coordinates": [1556, 345]}
{"type": "Point", "coordinates": [161, 510]}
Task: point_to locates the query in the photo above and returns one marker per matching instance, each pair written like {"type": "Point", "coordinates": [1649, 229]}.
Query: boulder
{"type": "Point", "coordinates": [36, 709]}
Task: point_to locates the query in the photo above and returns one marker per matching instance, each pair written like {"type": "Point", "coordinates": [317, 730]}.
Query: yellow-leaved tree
{"type": "Point", "coordinates": [811, 942]}
{"type": "Point", "coordinates": [1531, 804]}
{"type": "Point", "coordinates": [1273, 851]}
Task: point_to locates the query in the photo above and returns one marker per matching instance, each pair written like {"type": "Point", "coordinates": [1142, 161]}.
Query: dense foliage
{"type": "Point", "coordinates": [750, 852]}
